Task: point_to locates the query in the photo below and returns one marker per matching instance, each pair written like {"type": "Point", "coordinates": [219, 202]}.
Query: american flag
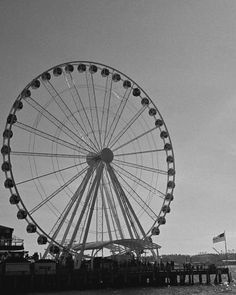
{"type": "Point", "coordinates": [219, 238]}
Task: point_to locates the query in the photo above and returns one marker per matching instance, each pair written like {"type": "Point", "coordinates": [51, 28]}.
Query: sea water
{"type": "Point", "coordinates": [210, 289]}
{"type": "Point", "coordinates": [181, 290]}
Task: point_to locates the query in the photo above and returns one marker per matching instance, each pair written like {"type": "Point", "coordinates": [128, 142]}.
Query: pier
{"type": "Point", "coordinates": [108, 276]}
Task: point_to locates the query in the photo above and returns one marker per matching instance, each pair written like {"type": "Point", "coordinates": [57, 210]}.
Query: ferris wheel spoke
{"type": "Point", "coordinates": [57, 191]}
{"type": "Point", "coordinates": [141, 203]}
{"type": "Point", "coordinates": [93, 102]}
{"type": "Point", "coordinates": [51, 118]}
{"type": "Point", "coordinates": [135, 138]}
{"type": "Point", "coordinates": [128, 125]}
{"type": "Point", "coordinates": [78, 196]}
{"type": "Point", "coordinates": [71, 85]}
{"type": "Point", "coordinates": [61, 104]}
{"type": "Point", "coordinates": [92, 105]}
{"type": "Point", "coordinates": [118, 114]}
{"type": "Point", "coordinates": [76, 97]}
{"type": "Point", "coordinates": [134, 221]}
{"type": "Point", "coordinates": [50, 137]}
{"type": "Point", "coordinates": [50, 173]}
{"type": "Point", "coordinates": [141, 182]}
{"type": "Point", "coordinates": [47, 155]}
{"type": "Point", "coordinates": [58, 224]}
{"type": "Point", "coordinates": [139, 152]}
{"type": "Point", "coordinates": [106, 105]}
{"type": "Point", "coordinates": [91, 195]}
{"type": "Point", "coordinates": [142, 167]}
{"type": "Point", "coordinates": [61, 219]}
{"type": "Point", "coordinates": [40, 189]}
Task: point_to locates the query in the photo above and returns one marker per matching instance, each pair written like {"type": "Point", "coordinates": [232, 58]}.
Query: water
{"type": "Point", "coordinates": [212, 289]}
{"type": "Point", "coordinates": [186, 290]}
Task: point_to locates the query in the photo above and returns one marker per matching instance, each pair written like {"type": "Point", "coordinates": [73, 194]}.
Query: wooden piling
{"type": "Point", "coordinates": [208, 278]}
{"type": "Point", "coordinates": [200, 278]}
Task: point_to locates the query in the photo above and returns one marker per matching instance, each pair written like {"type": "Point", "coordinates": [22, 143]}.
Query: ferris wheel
{"type": "Point", "coordinates": [87, 158]}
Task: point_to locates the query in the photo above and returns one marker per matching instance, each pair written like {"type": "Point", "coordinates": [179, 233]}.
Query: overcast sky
{"type": "Point", "coordinates": [183, 53]}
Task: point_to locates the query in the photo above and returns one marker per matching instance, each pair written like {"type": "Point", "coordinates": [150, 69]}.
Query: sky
{"type": "Point", "coordinates": [183, 54]}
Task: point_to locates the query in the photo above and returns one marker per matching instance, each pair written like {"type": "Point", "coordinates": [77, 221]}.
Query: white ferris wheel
{"type": "Point", "coordinates": [88, 160]}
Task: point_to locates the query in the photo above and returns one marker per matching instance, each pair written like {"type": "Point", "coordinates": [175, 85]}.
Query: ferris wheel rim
{"type": "Point", "coordinates": [6, 141]}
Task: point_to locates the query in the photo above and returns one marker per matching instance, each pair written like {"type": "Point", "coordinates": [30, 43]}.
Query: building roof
{"type": "Point", "coordinates": [6, 227]}
{"type": "Point", "coordinates": [132, 244]}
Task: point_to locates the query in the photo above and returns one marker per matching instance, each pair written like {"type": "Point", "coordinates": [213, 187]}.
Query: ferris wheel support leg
{"type": "Point", "coordinates": [63, 217]}
{"type": "Point", "coordinates": [120, 200]}
{"type": "Point", "coordinates": [105, 210]}
{"type": "Point", "coordinates": [114, 214]}
{"type": "Point", "coordinates": [85, 206]}
{"type": "Point", "coordinates": [133, 215]}
{"type": "Point", "coordinates": [139, 200]}
{"type": "Point", "coordinates": [78, 194]}
{"type": "Point", "coordinates": [93, 192]}
{"type": "Point", "coordinates": [131, 210]}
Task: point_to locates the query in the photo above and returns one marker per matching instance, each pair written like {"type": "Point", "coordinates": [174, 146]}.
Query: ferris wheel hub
{"type": "Point", "coordinates": [107, 155]}
{"type": "Point", "coordinates": [91, 158]}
